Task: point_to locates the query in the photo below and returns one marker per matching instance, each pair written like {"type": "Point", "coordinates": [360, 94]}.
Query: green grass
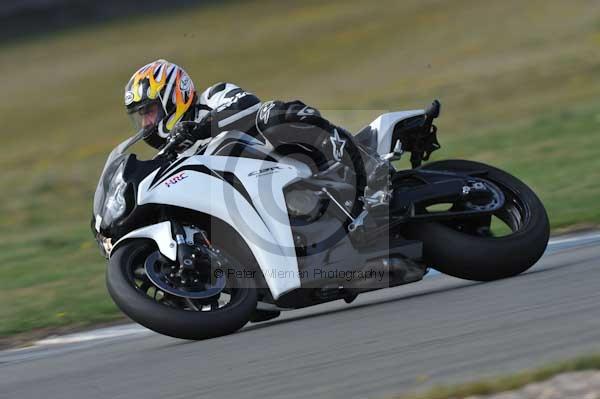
{"type": "Point", "coordinates": [557, 154]}
{"type": "Point", "coordinates": [509, 382]}
{"type": "Point", "coordinates": [518, 82]}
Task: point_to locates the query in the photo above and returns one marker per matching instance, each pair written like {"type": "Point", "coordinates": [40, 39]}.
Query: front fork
{"type": "Point", "coordinates": [187, 239]}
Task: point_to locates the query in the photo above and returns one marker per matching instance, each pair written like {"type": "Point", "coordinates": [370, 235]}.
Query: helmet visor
{"type": "Point", "coordinates": [147, 116]}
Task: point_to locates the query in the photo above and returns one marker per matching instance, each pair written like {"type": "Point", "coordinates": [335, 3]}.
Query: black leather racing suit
{"type": "Point", "coordinates": [288, 126]}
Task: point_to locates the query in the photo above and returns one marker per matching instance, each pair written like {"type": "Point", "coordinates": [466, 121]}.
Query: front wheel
{"type": "Point", "coordinates": [195, 316]}
{"type": "Point", "coordinates": [467, 249]}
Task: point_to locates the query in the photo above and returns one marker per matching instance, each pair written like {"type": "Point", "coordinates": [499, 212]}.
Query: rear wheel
{"type": "Point", "coordinates": [218, 310]}
{"type": "Point", "coordinates": [469, 248]}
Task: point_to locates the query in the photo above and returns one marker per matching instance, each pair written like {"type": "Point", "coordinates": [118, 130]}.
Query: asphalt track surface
{"type": "Point", "coordinates": [441, 330]}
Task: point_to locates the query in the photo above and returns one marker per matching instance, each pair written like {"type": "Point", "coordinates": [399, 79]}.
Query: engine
{"type": "Point", "coordinates": [305, 204]}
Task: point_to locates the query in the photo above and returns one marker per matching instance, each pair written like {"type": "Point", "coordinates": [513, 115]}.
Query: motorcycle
{"type": "Point", "coordinates": [231, 231]}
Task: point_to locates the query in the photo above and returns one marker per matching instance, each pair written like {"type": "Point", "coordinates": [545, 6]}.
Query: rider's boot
{"type": "Point", "coordinates": [377, 171]}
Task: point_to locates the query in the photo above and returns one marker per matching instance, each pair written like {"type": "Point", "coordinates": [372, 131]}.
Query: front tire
{"type": "Point", "coordinates": [169, 320]}
{"type": "Point", "coordinates": [464, 254]}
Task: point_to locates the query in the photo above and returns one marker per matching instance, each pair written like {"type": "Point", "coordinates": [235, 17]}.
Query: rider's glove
{"type": "Point", "coordinates": [186, 133]}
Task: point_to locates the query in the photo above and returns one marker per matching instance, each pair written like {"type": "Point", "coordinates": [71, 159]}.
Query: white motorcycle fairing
{"type": "Point", "coordinates": [255, 208]}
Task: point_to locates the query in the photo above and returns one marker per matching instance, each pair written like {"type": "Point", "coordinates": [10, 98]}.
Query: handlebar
{"type": "Point", "coordinates": [167, 150]}
{"type": "Point", "coordinates": [170, 146]}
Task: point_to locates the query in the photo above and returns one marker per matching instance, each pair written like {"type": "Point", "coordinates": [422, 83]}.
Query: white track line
{"type": "Point", "coordinates": [135, 329]}
{"type": "Point", "coordinates": [576, 239]}
{"type": "Point", "coordinates": [101, 333]}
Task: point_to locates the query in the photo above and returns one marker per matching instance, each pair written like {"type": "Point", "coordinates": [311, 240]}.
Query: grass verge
{"type": "Point", "coordinates": [508, 383]}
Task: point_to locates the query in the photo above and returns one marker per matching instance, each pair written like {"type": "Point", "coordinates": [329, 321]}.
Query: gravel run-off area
{"type": "Point", "coordinates": [579, 385]}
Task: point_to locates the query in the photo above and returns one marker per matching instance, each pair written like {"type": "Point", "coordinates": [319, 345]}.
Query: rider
{"type": "Point", "coordinates": [161, 98]}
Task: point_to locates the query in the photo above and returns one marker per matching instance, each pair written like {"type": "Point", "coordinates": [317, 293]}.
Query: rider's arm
{"type": "Point", "coordinates": [219, 108]}
{"type": "Point", "coordinates": [229, 106]}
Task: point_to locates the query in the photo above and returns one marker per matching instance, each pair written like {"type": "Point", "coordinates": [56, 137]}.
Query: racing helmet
{"type": "Point", "coordinates": [157, 96]}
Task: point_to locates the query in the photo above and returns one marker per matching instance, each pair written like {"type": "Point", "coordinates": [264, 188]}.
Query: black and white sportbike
{"type": "Point", "coordinates": [231, 231]}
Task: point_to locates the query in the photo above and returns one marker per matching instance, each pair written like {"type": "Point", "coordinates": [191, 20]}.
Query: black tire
{"type": "Point", "coordinates": [484, 258]}
{"type": "Point", "coordinates": [178, 323]}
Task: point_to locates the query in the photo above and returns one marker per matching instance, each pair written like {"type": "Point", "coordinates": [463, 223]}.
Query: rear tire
{"type": "Point", "coordinates": [484, 258]}
{"type": "Point", "coordinates": [178, 323]}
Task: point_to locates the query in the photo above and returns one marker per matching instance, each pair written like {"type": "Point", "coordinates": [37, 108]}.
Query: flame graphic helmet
{"type": "Point", "coordinates": [157, 96]}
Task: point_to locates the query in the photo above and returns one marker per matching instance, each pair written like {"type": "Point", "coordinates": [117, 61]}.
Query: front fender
{"type": "Point", "coordinates": [160, 233]}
